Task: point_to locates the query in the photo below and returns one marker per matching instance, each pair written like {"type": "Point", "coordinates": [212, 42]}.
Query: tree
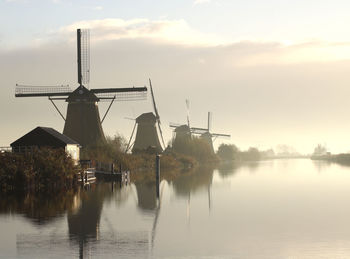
{"type": "Point", "coordinates": [320, 150]}
{"type": "Point", "coordinates": [227, 152]}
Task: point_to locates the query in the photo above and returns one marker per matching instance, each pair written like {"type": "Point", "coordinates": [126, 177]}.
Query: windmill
{"type": "Point", "coordinates": [182, 132]}
{"type": "Point", "coordinates": [146, 134]}
{"type": "Point", "coordinates": [207, 135]}
{"type": "Point", "coordinates": [82, 122]}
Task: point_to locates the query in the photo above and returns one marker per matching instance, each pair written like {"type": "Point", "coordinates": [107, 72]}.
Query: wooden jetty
{"type": "Point", "coordinates": [123, 176]}
{"type": "Point", "coordinates": [104, 172]}
{"type": "Point", "coordinates": [87, 177]}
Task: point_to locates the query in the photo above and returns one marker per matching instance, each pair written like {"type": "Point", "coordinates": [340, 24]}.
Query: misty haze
{"type": "Point", "coordinates": [174, 129]}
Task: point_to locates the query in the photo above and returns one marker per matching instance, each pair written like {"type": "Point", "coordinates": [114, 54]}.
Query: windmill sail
{"type": "Point", "coordinates": [188, 112]}
{"type": "Point", "coordinates": [156, 112]}
{"type": "Point", "coordinates": [83, 47]}
{"type": "Point", "coordinates": [39, 91]}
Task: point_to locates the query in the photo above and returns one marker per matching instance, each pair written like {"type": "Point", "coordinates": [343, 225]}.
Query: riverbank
{"type": "Point", "coordinates": [343, 159]}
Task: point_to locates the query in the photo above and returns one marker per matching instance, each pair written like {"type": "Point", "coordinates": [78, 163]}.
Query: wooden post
{"type": "Point", "coordinates": [157, 174]}
{"type": "Point", "coordinates": [82, 178]}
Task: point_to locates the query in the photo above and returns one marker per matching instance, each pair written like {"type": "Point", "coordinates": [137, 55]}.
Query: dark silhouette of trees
{"type": "Point", "coordinates": [228, 152]}
{"type": "Point", "coordinates": [41, 169]}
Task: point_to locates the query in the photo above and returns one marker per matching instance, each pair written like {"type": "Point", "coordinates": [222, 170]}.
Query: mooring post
{"type": "Point", "coordinates": [157, 174]}
{"type": "Point", "coordinates": [82, 177]}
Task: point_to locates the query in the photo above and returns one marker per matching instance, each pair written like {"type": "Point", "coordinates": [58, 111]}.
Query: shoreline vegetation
{"type": "Point", "coordinates": [343, 159]}
{"type": "Point", "coordinates": [321, 153]}
{"type": "Point", "coordinates": [50, 169]}
{"type": "Point", "coordinates": [42, 170]}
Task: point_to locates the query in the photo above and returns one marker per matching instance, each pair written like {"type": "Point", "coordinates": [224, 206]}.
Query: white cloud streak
{"type": "Point", "coordinates": [179, 32]}
{"type": "Point", "coordinates": [198, 2]}
{"type": "Point", "coordinates": [174, 31]}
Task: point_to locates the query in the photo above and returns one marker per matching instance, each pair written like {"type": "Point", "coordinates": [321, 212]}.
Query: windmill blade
{"type": "Point", "coordinates": [188, 112]}
{"type": "Point", "coordinates": [156, 113]}
{"type": "Point", "coordinates": [121, 94]}
{"type": "Point", "coordinates": [209, 121]}
{"type": "Point", "coordinates": [83, 51]}
{"type": "Point", "coordinates": [40, 91]}
{"type": "Point", "coordinates": [118, 90]}
{"type": "Point", "coordinates": [153, 100]}
{"type": "Point", "coordinates": [198, 130]}
{"type": "Point", "coordinates": [161, 134]}
{"type": "Point", "coordinates": [128, 118]}
{"type": "Point", "coordinates": [220, 135]}
{"type": "Point", "coordinates": [132, 134]}
{"type": "Point", "coordinates": [174, 125]}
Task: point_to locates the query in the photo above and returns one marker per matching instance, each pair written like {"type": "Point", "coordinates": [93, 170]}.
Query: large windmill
{"type": "Point", "coordinates": [146, 134]}
{"type": "Point", "coordinates": [82, 122]}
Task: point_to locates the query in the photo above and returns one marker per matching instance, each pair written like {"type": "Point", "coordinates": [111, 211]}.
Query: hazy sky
{"type": "Point", "coordinates": [272, 72]}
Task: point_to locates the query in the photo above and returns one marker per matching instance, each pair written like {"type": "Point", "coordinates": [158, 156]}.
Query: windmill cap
{"type": "Point", "coordinates": [148, 117]}
{"type": "Point", "coordinates": [82, 93]}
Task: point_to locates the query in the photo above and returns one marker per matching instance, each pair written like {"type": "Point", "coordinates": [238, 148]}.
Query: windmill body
{"type": "Point", "coordinates": [146, 134]}
{"type": "Point", "coordinates": [83, 123]}
{"type": "Point", "coordinates": [182, 134]}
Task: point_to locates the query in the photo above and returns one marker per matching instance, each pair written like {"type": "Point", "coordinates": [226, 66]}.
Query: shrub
{"type": "Point", "coordinates": [41, 169]}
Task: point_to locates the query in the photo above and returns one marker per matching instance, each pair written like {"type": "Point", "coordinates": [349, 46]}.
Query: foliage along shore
{"type": "Point", "coordinates": [42, 170]}
{"type": "Point", "coordinates": [48, 169]}
{"type": "Point", "coordinates": [173, 162]}
{"type": "Point", "coordinates": [343, 159]}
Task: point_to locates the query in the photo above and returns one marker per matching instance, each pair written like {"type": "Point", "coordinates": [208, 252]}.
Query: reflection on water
{"type": "Point", "coordinates": [38, 208]}
{"type": "Point", "coordinates": [146, 196]}
{"type": "Point", "coordinates": [271, 209]}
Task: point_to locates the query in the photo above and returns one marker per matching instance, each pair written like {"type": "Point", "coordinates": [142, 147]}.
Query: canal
{"type": "Point", "coordinates": [294, 208]}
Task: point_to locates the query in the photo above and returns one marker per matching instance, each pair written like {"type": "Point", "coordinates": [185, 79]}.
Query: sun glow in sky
{"type": "Point", "coordinates": [272, 72]}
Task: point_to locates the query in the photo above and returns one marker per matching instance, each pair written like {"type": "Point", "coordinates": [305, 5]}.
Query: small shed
{"type": "Point", "coordinates": [46, 137]}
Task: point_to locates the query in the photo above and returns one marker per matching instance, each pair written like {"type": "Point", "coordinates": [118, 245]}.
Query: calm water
{"type": "Point", "coordinates": [271, 209]}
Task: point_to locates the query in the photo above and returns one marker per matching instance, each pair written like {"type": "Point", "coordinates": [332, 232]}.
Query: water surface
{"type": "Point", "coordinates": [271, 209]}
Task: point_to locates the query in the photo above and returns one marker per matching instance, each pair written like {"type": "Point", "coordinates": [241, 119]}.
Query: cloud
{"type": "Point", "coordinates": [16, 1]}
{"type": "Point", "coordinates": [174, 31]}
{"type": "Point", "coordinates": [198, 2]}
{"type": "Point", "coordinates": [98, 8]}
{"type": "Point", "coordinates": [179, 32]}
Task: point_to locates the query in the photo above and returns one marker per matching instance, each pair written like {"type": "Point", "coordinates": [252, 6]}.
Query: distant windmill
{"type": "Point", "coordinates": [206, 135]}
{"type": "Point", "coordinates": [146, 134]}
{"type": "Point", "coordinates": [83, 123]}
{"type": "Point", "coordinates": [182, 132]}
